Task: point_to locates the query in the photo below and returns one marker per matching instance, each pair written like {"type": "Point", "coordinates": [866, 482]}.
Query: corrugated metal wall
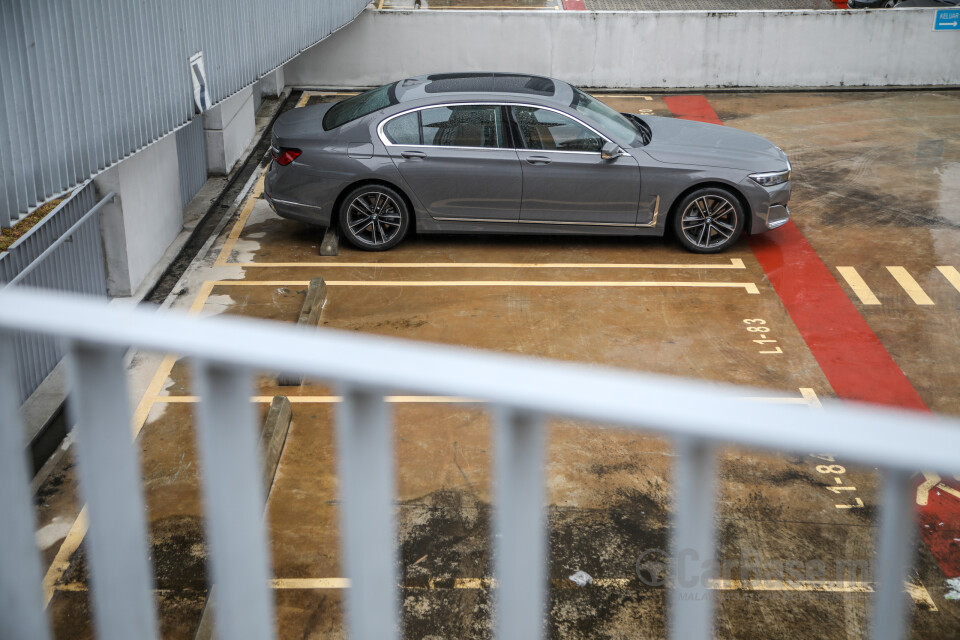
{"type": "Point", "coordinates": [192, 156]}
{"type": "Point", "coordinates": [75, 266]}
{"type": "Point", "coordinates": [85, 83]}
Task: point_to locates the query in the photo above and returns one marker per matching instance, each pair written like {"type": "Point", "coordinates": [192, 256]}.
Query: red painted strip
{"type": "Point", "coordinates": [574, 5]}
{"type": "Point", "coordinates": [849, 353]}
{"type": "Point", "coordinates": [847, 350]}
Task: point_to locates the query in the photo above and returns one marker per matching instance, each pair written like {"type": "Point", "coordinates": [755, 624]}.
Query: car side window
{"type": "Point", "coordinates": [404, 129]}
{"type": "Point", "coordinates": [463, 126]}
{"type": "Point", "coordinates": [546, 130]}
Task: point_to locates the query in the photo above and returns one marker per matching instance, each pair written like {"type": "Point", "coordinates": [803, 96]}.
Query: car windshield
{"type": "Point", "coordinates": [604, 118]}
{"type": "Point", "coordinates": [359, 106]}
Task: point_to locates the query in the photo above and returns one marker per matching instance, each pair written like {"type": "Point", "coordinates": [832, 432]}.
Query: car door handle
{"type": "Point", "coordinates": [413, 154]}
{"type": "Point", "coordinates": [539, 160]}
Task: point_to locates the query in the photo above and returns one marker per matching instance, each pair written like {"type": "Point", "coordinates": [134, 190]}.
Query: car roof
{"type": "Point", "coordinates": [514, 86]}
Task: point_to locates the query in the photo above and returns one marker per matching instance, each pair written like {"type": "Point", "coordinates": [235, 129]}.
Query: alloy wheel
{"type": "Point", "coordinates": [374, 218]}
{"type": "Point", "coordinates": [710, 221]}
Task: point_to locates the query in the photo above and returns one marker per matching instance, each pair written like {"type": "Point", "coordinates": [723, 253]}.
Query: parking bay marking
{"type": "Point", "coordinates": [71, 543]}
{"type": "Point", "coordinates": [807, 396]}
{"type": "Point", "coordinates": [918, 593]}
{"type": "Point", "coordinates": [735, 263]}
{"type": "Point", "coordinates": [749, 287]}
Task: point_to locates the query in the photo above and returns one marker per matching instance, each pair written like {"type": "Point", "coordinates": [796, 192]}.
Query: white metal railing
{"type": "Point", "coordinates": [698, 417]}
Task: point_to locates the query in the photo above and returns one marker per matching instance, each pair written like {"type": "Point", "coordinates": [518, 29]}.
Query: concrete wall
{"type": "Point", "coordinates": [228, 128]}
{"type": "Point", "coordinates": [641, 49]}
{"type": "Point", "coordinates": [144, 218]}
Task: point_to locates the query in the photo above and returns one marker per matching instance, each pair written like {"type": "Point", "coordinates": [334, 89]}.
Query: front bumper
{"type": "Point", "coordinates": [777, 216]}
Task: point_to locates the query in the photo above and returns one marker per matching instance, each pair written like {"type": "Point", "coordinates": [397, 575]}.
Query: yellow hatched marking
{"type": "Point", "coordinates": [735, 263]}
{"type": "Point", "coordinates": [858, 285]}
{"type": "Point", "coordinates": [911, 286]}
{"type": "Point", "coordinates": [952, 276]}
{"type": "Point", "coordinates": [240, 223]}
{"type": "Point", "coordinates": [810, 397]}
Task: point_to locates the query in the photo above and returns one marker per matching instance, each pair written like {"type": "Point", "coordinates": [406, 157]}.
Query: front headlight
{"type": "Point", "coordinates": [771, 178]}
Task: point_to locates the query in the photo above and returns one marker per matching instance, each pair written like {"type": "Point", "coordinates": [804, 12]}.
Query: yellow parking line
{"type": "Point", "coordinates": [304, 98]}
{"type": "Point", "coordinates": [911, 286]}
{"type": "Point", "coordinates": [231, 241]}
{"type": "Point", "coordinates": [328, 399]}
{"type": "Point", "coordinates": [61, 562]}
{"type": "Point", "coordinates": [805, 398]}
{"type": "Point", "coordinates": [858, 285]}
{"type": "Point", "coordinates": [735, 263]}
{"type": "Point", "coordinates": [952, 276]}
{"type": "Point", "coordinates": [749, 287]}
{"type": "Point", "coordinates": [917, 593]}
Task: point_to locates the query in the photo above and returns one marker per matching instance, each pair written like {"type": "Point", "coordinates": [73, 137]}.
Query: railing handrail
{"type": "Point", "coordinates": [63, 237]}
{"type": "Point", "coordinates": [712, 412]}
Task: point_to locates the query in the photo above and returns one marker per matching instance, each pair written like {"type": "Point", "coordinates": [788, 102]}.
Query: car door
{"type": "Point", "coordinates": [565, 181]}
{"type": "Point", "coordinates": [457, 161]}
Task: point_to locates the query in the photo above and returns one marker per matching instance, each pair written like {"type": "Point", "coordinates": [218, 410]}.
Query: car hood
{"type": "Point", "coordinates": [299, 124]}
{"type": "Point", "coordinates": [677, 141]}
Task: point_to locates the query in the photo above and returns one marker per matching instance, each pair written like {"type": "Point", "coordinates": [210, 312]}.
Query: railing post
{"type": "Point", "coordinates": [367, 527]}
{"type": "Point", "coordinates": [233, 502]}
{"type": "Point", "coordinates": [21, 595]}
{"type": "Point", "coordinates": [520, 535]}
{"type": "Point", "coordinates": [109, 470]}
{"type": "Point", "coordinates": [690, 614]}
{"type": "Point", "coordinates": [894, 555]}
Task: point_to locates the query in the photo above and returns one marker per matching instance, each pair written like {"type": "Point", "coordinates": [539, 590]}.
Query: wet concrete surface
{"type": "Point", "coordinates": [875, 178]}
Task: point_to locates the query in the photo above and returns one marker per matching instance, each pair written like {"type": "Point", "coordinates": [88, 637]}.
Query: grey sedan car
{"type": "Point", "coordinates": [513, 153]}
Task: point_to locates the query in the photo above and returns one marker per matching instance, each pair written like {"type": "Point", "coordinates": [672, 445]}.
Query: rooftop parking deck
{"type": "Point", "coordinates": [863, 281]}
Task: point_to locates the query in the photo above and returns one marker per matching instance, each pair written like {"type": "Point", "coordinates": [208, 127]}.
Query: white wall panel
{"type": "Point", "coordinates": [679, 49]}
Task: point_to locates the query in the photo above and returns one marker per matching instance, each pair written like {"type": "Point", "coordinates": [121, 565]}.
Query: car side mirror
{"type": "Point", "coordinates": [610, 151]}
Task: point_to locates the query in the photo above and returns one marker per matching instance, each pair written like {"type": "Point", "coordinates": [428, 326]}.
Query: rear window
{"type": "Point", "coordinates": [360, 105]}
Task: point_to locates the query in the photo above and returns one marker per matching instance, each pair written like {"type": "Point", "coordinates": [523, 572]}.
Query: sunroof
{"type": "Point", "coordinates": [487, 82]}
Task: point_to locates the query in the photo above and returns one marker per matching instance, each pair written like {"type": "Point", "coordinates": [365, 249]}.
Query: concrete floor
{"type": "Point", "coordinates": [877, 185]}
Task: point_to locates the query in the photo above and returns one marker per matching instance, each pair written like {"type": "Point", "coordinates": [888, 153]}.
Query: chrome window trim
{"type": "Point", "coordinates": [387, 143]}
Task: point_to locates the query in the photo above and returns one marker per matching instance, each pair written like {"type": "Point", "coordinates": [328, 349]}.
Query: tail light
{"type": "Point", "coordinates": [285, 156]}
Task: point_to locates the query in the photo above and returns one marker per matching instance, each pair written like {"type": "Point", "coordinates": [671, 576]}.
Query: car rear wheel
{"type": "Point", "coordinates": [708, 220]}
{"type": "Point", "coordinates": [374, 217]}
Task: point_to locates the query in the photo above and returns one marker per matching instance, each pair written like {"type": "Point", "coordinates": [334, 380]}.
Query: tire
{"type": "Point", "coordinates": [708, 220]}
{"type": "Point", "coordinates": [374, 217]}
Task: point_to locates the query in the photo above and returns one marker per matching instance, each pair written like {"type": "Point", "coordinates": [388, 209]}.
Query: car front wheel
{"type": "Point", "coordinates": [708, 220]}
{"type": "Point", "coordinates": [374, 217]}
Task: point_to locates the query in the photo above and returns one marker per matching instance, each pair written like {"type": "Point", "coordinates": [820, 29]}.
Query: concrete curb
{"type": "Point", "coordinates": [309, 317]}
{"type": "Point", "coordinates": [273, 436]}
